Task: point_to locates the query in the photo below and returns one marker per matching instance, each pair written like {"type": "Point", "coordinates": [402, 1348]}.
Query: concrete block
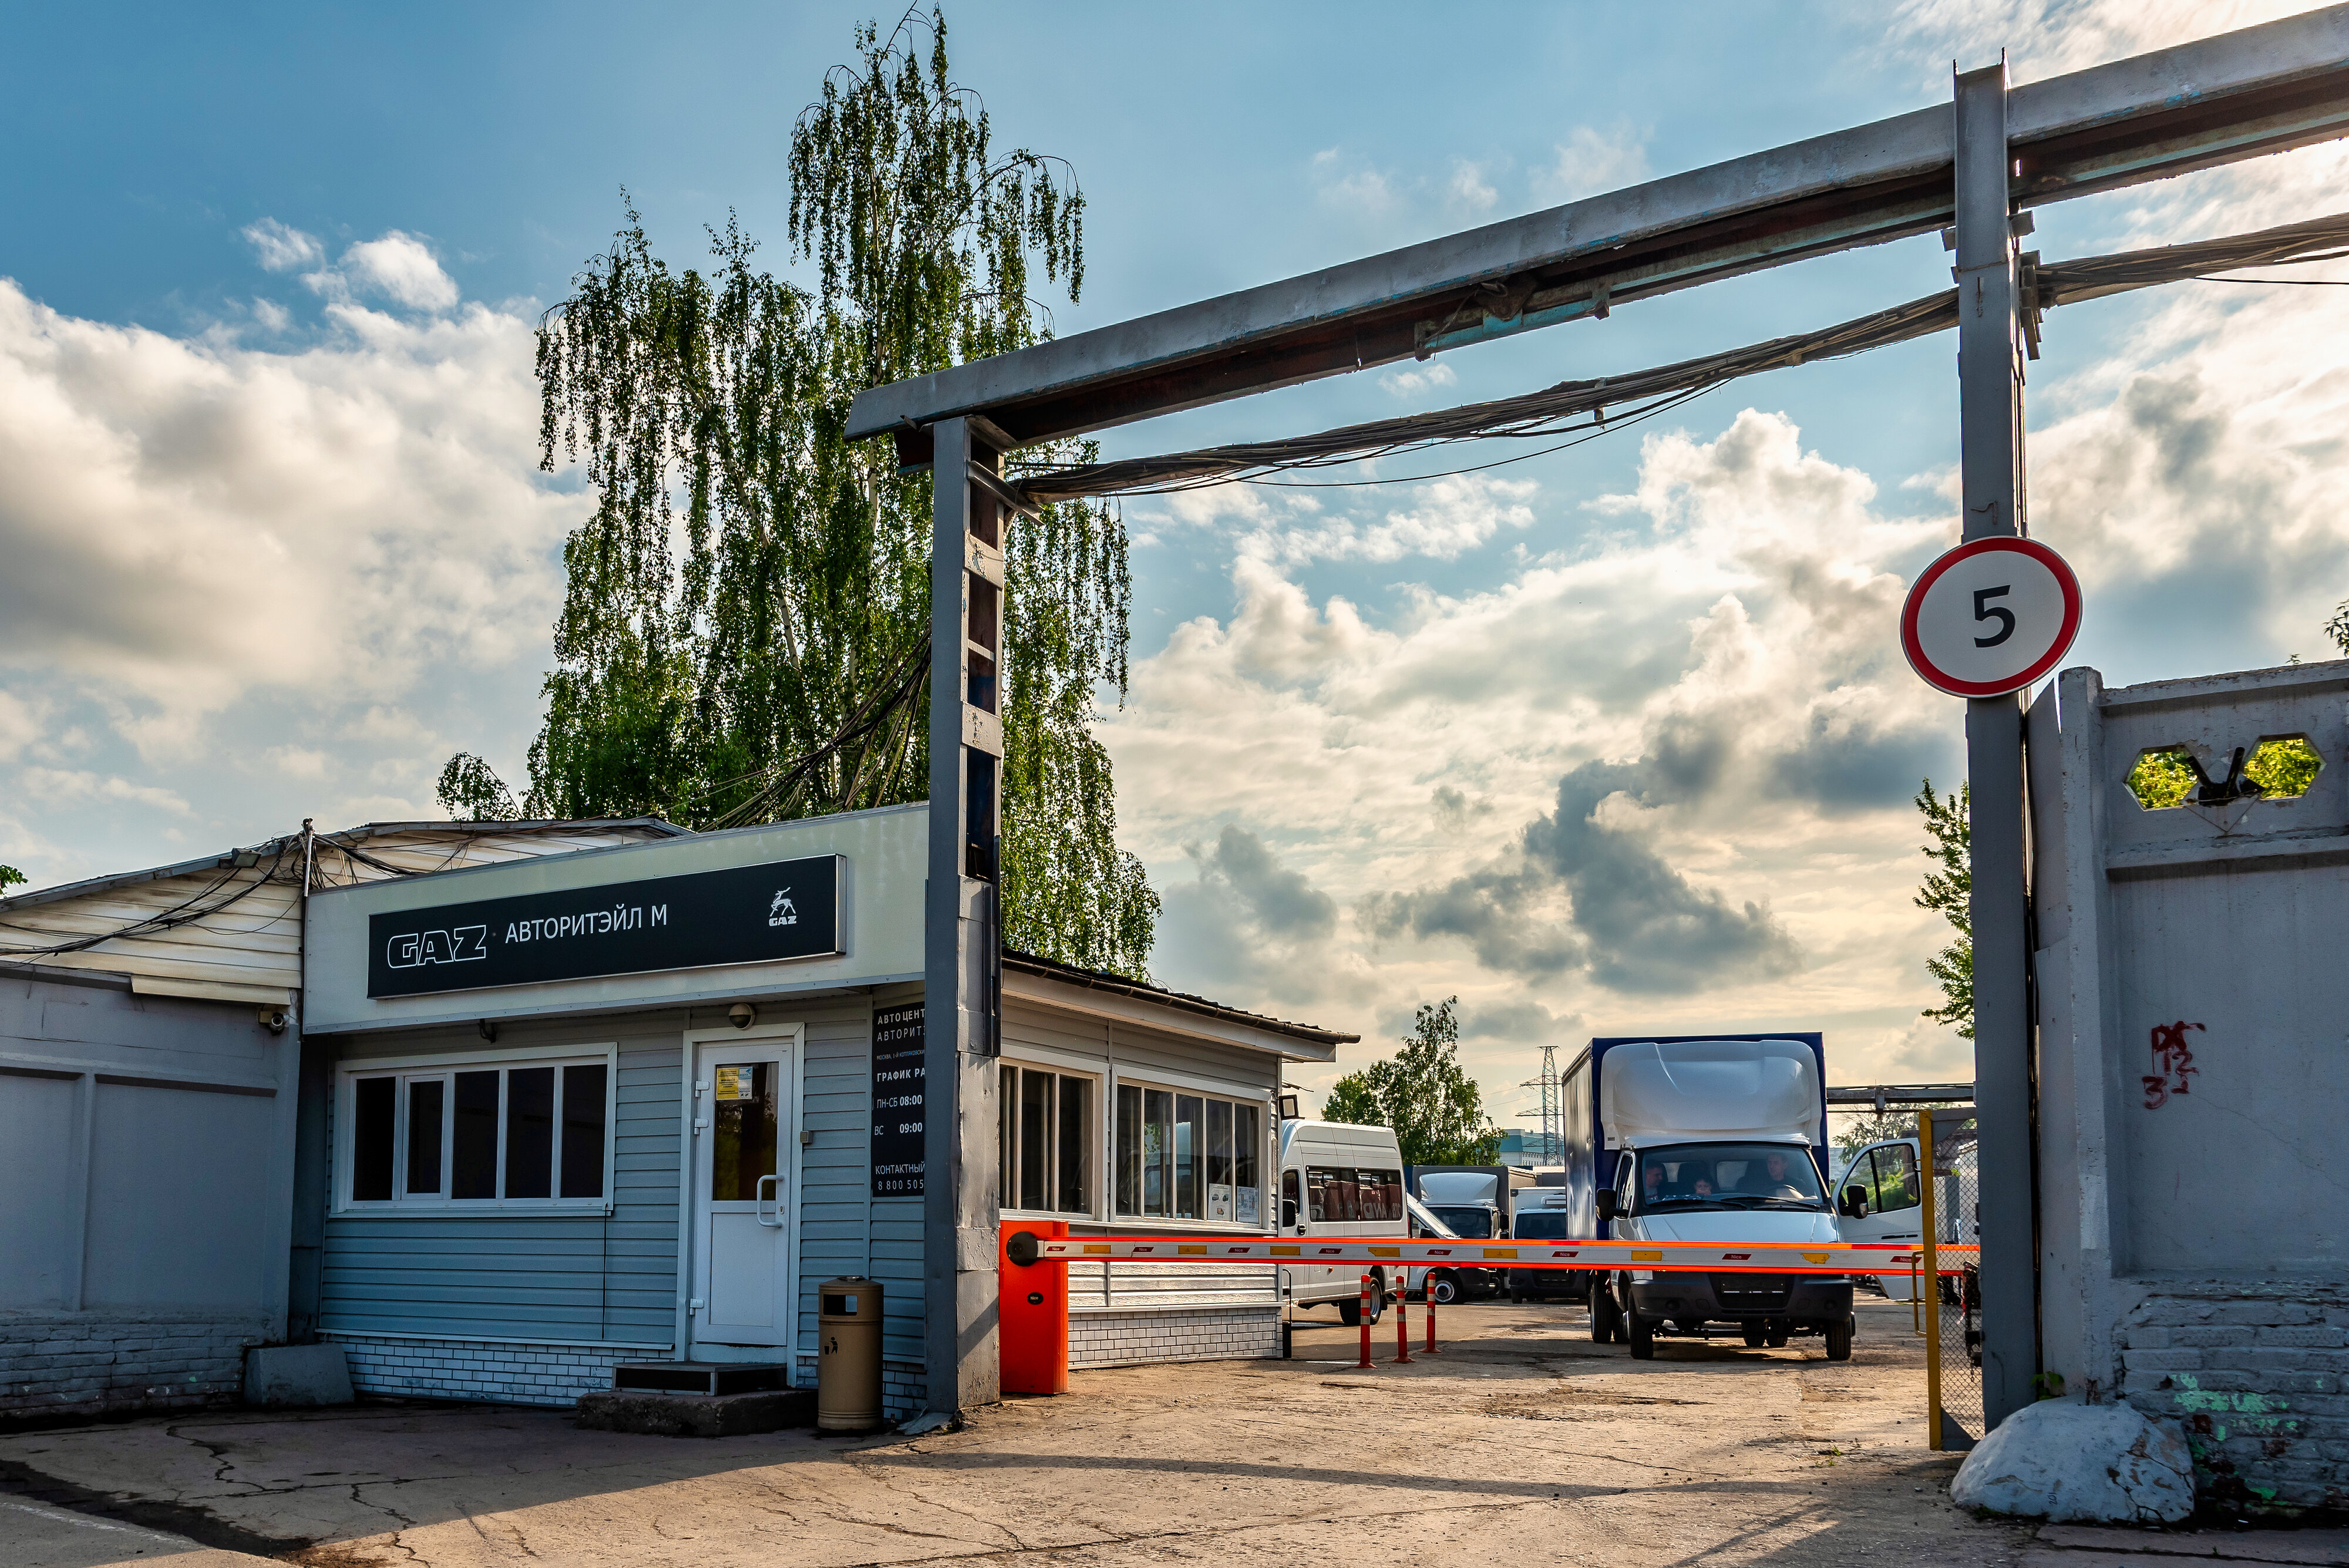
{"type": "Point", "coordinates": [2143, 1361]}
{"type": "Point", "coordinates": [2075, 1462]}
{"type": "Point", "coordinates": [297, 1374]}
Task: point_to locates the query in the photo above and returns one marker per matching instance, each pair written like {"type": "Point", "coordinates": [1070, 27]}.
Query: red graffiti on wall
{"type": "Point", "coordinates": [2173, 1063]}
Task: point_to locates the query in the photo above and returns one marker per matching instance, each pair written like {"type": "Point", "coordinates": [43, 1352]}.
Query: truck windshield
{"type": "Point", "coordinates": [1726, 1176]}
{"type": "Point", "coordinates": [1463, 1219]}
{"type": "Point", "coordinates": [1543, 1225]}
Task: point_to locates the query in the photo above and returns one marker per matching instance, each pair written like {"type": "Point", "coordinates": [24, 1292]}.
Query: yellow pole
{"type": "Point", "coordinates": [1932, 1281]}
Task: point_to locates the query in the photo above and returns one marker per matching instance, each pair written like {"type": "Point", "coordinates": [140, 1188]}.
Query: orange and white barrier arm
{"type": "Point", "coordinates": [1705, 1257]}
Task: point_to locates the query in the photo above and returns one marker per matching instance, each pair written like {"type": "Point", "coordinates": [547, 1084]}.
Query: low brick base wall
{"type": "Point", "coordinates": [1167, 1334]}
{"type": "Point", "coordinates": [2261, 1386]}
{"type": "Point", "coordinates": [97, 1363]}
{"type": "Point", "coordinates": [502, 1372]}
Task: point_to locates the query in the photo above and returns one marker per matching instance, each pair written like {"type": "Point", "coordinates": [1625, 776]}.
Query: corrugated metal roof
{"type": "Point", "coordinates": [227, 858]}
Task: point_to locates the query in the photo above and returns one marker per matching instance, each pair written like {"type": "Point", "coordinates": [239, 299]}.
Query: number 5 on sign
{"type": "Point", "coordinates": [1991, 617]}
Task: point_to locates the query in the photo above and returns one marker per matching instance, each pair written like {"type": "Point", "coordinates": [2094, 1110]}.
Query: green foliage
{"type": "Point", "coordinates": [470, 791]}
{"type": "Point", "coordinates": [1423, 1093]}
{"type": "Point", "coordinates": [752, 586]}
{"type": "Point", "coordinates": [2337, 629]}
{"type": "Point", "coordinates": [1949, 890]}
{"type": "Point", "coordinates": [10, 877]}
{"type": "Point", "coordinates": [2281, 768]}
{"type": "Point", "coordinates": [1858, 1131]}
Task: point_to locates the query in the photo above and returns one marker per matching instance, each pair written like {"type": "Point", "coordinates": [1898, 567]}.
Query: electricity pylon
{"type": "Point", "coordinates": [1553, 1143]}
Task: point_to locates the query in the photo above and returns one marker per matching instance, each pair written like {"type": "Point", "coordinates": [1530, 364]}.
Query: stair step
{"type": "Point", "coordinates": [699, 1376]}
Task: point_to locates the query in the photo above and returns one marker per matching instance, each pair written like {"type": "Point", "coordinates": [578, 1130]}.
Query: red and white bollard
{"type": "Point", "coordinates": [1403, 1324]}
{"type": "Point", "coordinates": [1430, 1296]}
{"type": "Point", "coordinates": [1363, 1314]}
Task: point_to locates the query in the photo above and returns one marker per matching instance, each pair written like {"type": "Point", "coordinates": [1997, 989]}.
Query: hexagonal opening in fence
{"type": "Point", "coordinates": [2162, 778]}
{"type": "Point", "coordinates": [2283, 766]}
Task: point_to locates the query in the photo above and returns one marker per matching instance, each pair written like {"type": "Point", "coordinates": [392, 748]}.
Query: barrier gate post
{"type": "Point", "coordinates": [1365, 1316]}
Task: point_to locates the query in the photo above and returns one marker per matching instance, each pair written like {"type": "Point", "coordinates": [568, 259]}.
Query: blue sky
{"type": "Point", "coordinates": [281, 548]}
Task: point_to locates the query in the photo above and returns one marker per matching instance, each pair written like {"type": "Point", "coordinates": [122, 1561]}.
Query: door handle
{"type": "Point", "coordinates": [759, 1201]}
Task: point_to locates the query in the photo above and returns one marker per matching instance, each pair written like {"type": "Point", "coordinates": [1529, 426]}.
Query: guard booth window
{"type": "Point", "coordinates": [1188, 1157]}
{"type": "Point", "coordinates": [1046, 1151]}
{"type": "Point", "coordinates": [1337, 1194]}
{"type": "Point", "coordinates": [465, 1135]}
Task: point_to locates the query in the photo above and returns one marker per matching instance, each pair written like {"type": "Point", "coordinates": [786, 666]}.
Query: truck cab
{"type": "Point", "coordinates": [1717, 1141]}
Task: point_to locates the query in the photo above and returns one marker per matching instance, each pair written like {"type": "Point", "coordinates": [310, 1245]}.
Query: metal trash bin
{"type": "Point", "coordinates": [848, 1357]}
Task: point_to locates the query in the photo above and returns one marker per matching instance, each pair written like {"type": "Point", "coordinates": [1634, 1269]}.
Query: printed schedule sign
{"type": "Point", "coordinates": [744, 914]}
{"type": "Point", "coordinates": [900, 1072]}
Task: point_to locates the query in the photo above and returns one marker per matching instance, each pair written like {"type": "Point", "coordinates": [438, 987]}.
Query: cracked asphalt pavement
{"type": "Point", "coordinates": [1521, 1441]}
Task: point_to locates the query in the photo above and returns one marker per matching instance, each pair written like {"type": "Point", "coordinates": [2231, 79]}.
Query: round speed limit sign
{"type": "Point", "coordinates": [1991, 617]}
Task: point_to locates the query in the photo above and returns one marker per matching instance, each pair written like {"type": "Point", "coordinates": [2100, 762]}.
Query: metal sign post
{"type": "Point", "coordinates": [1989, 418]}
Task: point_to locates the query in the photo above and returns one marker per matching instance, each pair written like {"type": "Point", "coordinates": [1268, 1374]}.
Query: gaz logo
{"type": "Point", "coordinates": [414, 949]}
{"type": "Point", "coordinates": [782, 912]}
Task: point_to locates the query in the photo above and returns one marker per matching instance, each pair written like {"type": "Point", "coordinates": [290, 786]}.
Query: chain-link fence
{"type": "Point", "coordinates": [1949, 1315]}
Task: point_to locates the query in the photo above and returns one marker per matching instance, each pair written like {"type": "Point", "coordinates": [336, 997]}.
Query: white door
{"type": "Point", "coordinates": [744, 1136]}
{"type": "Point", "coordinates": [1886, 1174]}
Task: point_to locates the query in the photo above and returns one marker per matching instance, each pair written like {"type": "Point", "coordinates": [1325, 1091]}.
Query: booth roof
{"type": "Point", "coordinates": [1097, 979]}
{"type": "Point", "coordinates": [348, 838]}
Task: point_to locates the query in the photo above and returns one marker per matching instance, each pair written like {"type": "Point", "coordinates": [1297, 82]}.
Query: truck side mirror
{"type": "Point", "coordinates": [1288, 1212]}
{"type": "Point", "coordinates": [1607, 1206]}
{"type": "Point", "coordinates": [1855, 1203]}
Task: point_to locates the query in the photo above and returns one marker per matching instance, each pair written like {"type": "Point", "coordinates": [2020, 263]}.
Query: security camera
{"type": "Point", "coordinates": [741, 1015]}
{"type": "Point", "coordinates": [271, 1018]}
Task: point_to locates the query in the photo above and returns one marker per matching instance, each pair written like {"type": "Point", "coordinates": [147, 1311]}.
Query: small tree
{"type": "Point", "coordinates": [10, 877]}
{"type": "Point", "coordinates": [1423, 1093]}
{"type": "Point", "coordinates": [1949, 890]}
{"type": "Point", "coordinates": [470, 791]}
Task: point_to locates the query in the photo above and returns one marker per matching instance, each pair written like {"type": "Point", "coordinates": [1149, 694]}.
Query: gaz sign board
{"type": "Point", "coordinates": [900, 1072]}
{"type": "Point", "coordinates": [1991, 617]}
{"type": "Point", "coordinates": [744, 914]}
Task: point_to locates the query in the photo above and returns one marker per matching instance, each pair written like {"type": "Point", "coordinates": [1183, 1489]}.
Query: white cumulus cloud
{"type": "Point", "coordinates": [281, 247]}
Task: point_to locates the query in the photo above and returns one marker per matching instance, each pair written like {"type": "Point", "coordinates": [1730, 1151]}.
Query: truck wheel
{"type": "Point", "coordinates": [1775, 1341]}
{"type": "Point", "coordinates": [1443, 1288]}
{"type": "Point", "coordinates": [1840, 1340]}
{"type": "Point", "coordinates": [1602, 1315]}
{"type": "Point", "coordinates": [1753, 1338]}
{"type": "Point", "coordinates": [1642, 1334]}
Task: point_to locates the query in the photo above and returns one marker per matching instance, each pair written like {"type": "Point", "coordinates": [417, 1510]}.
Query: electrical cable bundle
{"type": "Point", "coordinates": [1643, 394]}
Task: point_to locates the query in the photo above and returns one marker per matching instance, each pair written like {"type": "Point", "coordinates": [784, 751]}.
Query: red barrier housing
{"type": "Point", "coordinates": [1032, 1315]}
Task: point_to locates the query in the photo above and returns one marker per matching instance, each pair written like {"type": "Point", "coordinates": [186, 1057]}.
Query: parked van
{"type": "Point", "coordinates": [1442, 1285]}
{"type": "Point", "coordinates": [1340, 1179]}
{"type": "Point", "coordinates": [1544, 1214]}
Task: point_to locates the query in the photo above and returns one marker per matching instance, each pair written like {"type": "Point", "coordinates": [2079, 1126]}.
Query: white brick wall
{"type": "Point", "coordinates": [1217, 1333]}
{"type": "Point", "coordinates": [499, 1372]}
{"type": "Point", "coordinates": [90, 1363]}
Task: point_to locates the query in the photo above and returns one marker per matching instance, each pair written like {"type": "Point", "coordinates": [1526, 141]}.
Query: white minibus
{"type": "Point", "coordinates": [1339, 1179]}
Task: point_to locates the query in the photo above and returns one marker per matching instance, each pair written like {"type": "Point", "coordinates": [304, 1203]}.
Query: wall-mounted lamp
{"type": "Point", "coordinates": [741, 1015]}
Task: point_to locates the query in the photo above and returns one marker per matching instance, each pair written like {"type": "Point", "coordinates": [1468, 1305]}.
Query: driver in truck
{"type": "Point", "coordinates": [1772, 1181]}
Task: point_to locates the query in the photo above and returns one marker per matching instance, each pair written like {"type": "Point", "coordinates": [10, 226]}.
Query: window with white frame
{"type": "Point", "coordinates": [1048, 1132]}
{"type": "Point", "coordinates": [480, 1134]}
{"type": "Point", "coordinates": [1183, 1156]}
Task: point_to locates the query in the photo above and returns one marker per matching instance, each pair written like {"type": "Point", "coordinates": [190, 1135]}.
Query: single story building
{"type": "Point", "coordinates": [150, 1054]}
{"type": "Point", "coordinates": [636, 1103]}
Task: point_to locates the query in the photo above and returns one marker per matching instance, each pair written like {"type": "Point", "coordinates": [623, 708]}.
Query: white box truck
{"type": "Point", "coordinates": [1719, 1137]}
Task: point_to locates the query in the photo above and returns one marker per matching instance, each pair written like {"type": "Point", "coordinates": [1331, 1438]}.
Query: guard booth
{"type": "Point", "coordinates": [637, 1104]}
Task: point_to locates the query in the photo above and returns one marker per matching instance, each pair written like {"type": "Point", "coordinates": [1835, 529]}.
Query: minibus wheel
{"type": "Point", "coordinates": [1443, 1288]}
{"type": "Point", "coordinates": [1839, 1341]}
{"type": "Point", "coordinates": [1642, 1333]}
